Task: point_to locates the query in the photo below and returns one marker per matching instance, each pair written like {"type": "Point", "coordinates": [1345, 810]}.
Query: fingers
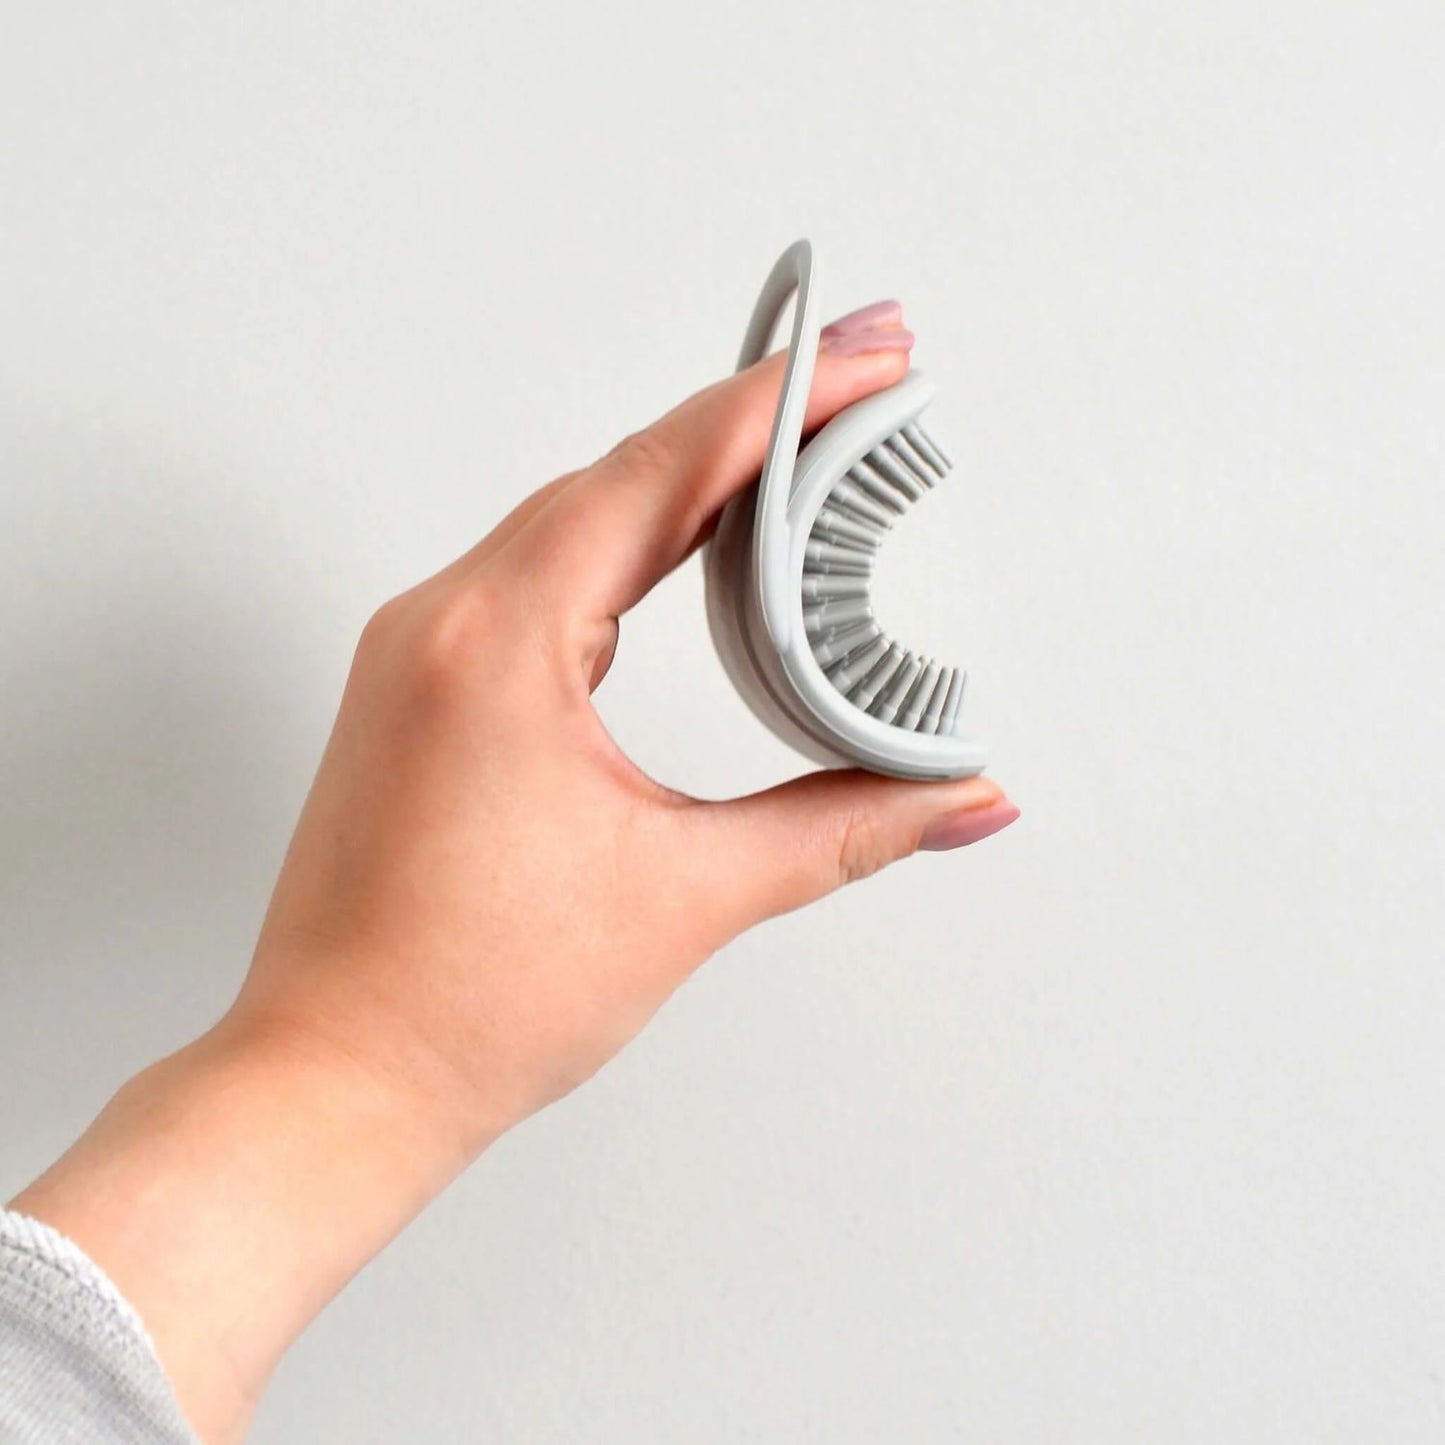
{"type": "Point", "coordinates": [792, 844]}
{"type": "Point", "coordinates": [631, 518]}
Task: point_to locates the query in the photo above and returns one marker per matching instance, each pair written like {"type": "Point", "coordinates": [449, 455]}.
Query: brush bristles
{"type": "Point", "coordinates": [884, 679]}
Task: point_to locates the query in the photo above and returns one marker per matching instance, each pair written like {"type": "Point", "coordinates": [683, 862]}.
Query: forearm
{"type": "Point", "coordinates": [232, 1189]}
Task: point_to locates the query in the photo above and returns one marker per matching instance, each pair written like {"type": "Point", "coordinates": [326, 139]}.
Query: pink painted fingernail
{"type": "Point", "coordinates": [859, 343]}
{"type": "Point", "coordinates": [865, 318]}
{"type": "Point", "coordinates": [967, 825]}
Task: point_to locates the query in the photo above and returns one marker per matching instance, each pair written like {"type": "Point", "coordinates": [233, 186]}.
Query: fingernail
{"type": "Point", "coordinates": [865, 318]}
{"type": "Point", "coordinates": [858, 343]}
{"type": "Point", "coordinates": [967, 825]}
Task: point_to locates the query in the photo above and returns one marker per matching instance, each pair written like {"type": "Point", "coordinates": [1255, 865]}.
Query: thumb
{"type": "Point", "coordinates": [796, 842]}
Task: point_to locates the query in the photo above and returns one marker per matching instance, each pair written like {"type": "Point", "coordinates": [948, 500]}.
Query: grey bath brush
{"type": "Point", "coordinates": [790, 567]}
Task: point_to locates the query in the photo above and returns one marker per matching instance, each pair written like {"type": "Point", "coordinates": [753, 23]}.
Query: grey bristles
{"type": "Point", "coordinates": [933, 709]}
{"type": "Point", "coordinates": [885, 708]}
{"type": "Point", "coordinates": [840, 546]}
{"type": "Point", "coordinates": [835, 613]}
{"type": "Point", "coordinates": [834, 584]}
{"type": "Point", "coordinates": [873, 672]}
{"type": "Point", "coordinates": [934, 454]}
{"type": "Point", "coordinates": [952, 701]}
{"type": "Point", "coordinates": [916, 462]}
{"type": "Point", "coordinates": [871, 474]}
{"type": "Point", "coordinates": [841, 646]}
{"type": "Point", "coordinates": [903, 480]}
{"type": "Point", "coordinates": [857, 666]}
{"type": "Point", "coordinates": [878, 677]}
{"type": "Point", "coordinates": [848, 495]}
{"type": "Point", "coordinates": [842, 530]}
{"type": "Point", "coordinates": [912, 715]}
{"type": "Point", "coordinates": [846, 566]}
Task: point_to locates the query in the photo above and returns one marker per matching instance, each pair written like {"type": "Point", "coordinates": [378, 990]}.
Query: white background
{"type": "Point", "coordinates": [1125, 1125]}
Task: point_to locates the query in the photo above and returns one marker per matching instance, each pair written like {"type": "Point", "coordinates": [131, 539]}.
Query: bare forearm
{"type": "Point", "coordinates": [232, 1189]}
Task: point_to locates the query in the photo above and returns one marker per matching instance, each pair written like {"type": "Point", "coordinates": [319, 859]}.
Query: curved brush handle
{"type": "Point", "coordinates": [794, 270]}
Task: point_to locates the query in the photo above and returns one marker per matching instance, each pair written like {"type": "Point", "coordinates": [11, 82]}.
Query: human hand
{"type": "Point", "coordinates": [483, 901]}
{"type": "Point", "coordinates": [483, 887]}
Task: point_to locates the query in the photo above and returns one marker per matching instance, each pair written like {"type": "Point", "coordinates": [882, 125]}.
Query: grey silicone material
{"type": "Point", "coordinates": [817, 669]}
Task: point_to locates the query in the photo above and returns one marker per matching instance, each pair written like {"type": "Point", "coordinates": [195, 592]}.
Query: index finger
{"type": "Point", "coordinates": [627, 521]}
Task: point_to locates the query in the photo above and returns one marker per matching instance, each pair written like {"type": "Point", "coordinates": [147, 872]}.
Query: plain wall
{"type": "Point", "coordinates": [1123, 1126]}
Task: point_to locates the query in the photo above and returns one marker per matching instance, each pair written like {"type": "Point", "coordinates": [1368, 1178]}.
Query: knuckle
{"type": "Point", "coordinates": [480, 651]}
{"type": "Point", "coordinates": [452, 642]}
{"type": "Point", "coordinates": [383, 620]}
{"type": "Point", "coordinates": [648, 451]}
{"type": "Point", "coordinates": [427, 651]}
{"type": "Point", "coordinates": [383, 625]}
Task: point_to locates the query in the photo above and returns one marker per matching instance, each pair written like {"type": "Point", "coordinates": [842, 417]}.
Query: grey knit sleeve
{"type": "Point", "coordinates": [75, 1361]}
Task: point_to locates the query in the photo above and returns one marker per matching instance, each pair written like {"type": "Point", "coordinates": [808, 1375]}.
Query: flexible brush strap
{"type": "Point", "coordinates": [794, 271]}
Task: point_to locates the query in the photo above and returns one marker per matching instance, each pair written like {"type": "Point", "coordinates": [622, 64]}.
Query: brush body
{"type": "Point", "coordinates": [790, 566]}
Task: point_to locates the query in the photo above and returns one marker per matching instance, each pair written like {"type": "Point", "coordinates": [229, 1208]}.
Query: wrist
{"type": "Point", "coordinates": [401, 1051]}
{"type": "Point", "coordinates": [233, 1188]}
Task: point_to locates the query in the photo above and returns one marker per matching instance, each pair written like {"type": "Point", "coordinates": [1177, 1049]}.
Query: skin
{"type": "Point", "coordinates": [484, 900]}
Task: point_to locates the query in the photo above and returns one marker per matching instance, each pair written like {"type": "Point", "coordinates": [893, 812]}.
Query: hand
{"type": "Point", "coordinates": [483, 901]}
{"type": "Point", "coordinates": [482, 885]}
